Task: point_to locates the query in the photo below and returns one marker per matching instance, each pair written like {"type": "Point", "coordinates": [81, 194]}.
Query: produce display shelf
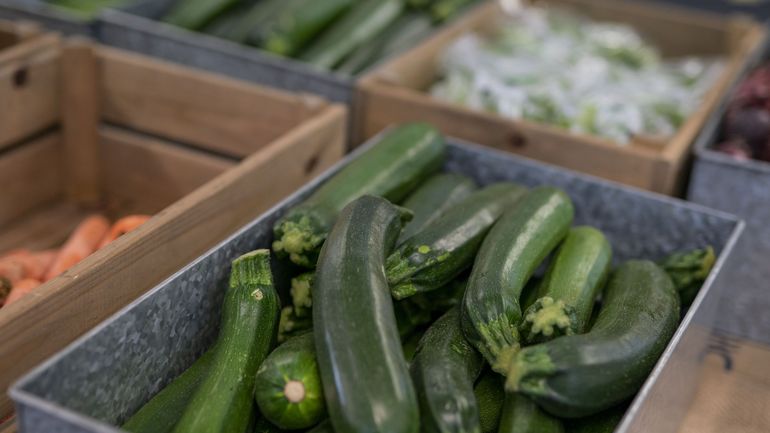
{"type": "Point", "coordinates": [161, 333]}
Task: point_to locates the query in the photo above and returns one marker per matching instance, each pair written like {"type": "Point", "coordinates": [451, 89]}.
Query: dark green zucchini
{"type": "Point", "coordinates": [490, 394]}
{"type": "Point", "coordinates": [602, 422]}
{"type": "Point", "coordinates": [443, 372]}
{"type": "Point", "coordinates": [291, 30]}
{"type": "Point", "coordinates": [442, 10]}
{"type": "Point", "coordinates": [580, 375]}
{"type": "Point", "coordinates": [433, 198]}
{"type": "Point", "coordinates": [511, 252]}
{"type": "Point", "coordinates": [436, 255]}
{"type": "Point", "coordinates": [238, 24]}
{"type": "Point", "coordinates": [529, 292]}
{"type": "Point", "coordinates": [224, 400]}
{"type": "Point", "coordinates": [399, 162]}
{"type": "Point", "coordinates": [324, 426]}
{"type": "Point", "coordinates": [196, 14]}
{"type": "Point", "coordinates": [162, 412]}
{"type": "Point", "coordinates": [356, 28]}
{"type": "Point", "coordinates": [365, 377]}
{"type": "Point", "coordinates": [688, 271]}
{"type": "Point", "coordinates": [568, 292]}
{"type": "Point", "coordinates": [288, 385]}
{"type": "Point", "coordinates": [522, 415]}
{"type": "Point", "coordinates": [410, 346]}
{"type": "Point", "coordinates": [442, 299]}
{"type": "Point", "coordinates": [262, 425]}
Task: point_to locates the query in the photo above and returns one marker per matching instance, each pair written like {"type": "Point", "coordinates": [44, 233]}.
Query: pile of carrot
{"type": "Point", "coordinates": [21, 271]}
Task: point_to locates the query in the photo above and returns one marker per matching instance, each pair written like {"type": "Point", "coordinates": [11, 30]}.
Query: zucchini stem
{"type": "Point", "coordinates": [294, 391]}
{"type": "Point", "coordinates": [527, 368]}
{"type": "Point", "coordinates": [547, 319]}
{"type": "Point", "coordinates": [252, 269]}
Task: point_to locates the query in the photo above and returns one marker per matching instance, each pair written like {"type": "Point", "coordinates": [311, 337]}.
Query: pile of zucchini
{"type": "Point", "coordinates": [428, 316]}
{"type": "Point", "coordinates": [347, 36]}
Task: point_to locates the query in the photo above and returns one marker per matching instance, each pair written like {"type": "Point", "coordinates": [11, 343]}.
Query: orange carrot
{"type": "Point", "coordinates": [12, 266]}
{"type": "Point", "coordinates": [81, 243]}
{"type": "Point", "coordinates": [123, 226]}
{"type": "Point", "coordinates": [38, 264]}
{"type": "Point", "coordinates": [20, 289]}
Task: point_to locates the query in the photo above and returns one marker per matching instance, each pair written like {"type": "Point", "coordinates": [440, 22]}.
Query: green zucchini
{"type": "Point", "coordinates": [356, 28]}
{"type": "Point", "coordinates": [490, 393]}
{"type": "Point", "coordinates": [580, 375]}
{"type": "Point", "coordinates": [433, 257]}
{"type": "Point", "coordinates": [442, 10]}
{"type": "Point", "coordinates": [196, 14]}
{"type": "Point", "coordinates": [433, 198]}
{"type": "Point", "coordinates": [364, 375]}
{"type": "Point", "coordinates": [529, 292]}
{"type": "Point", "coordinates": [443, 373]}
{"type": "Point", "coordinates": [511, 252]}
{"type": "Point", "coordinates": [568, 292]}
{"type": "Point", "coordinates": [238, 24]}
{"type": "Point", "coordinates": [401, 160]}
{"type": "Point", "coordinates": [162, 412]}
{"type": "Point", "coordinates": [324, 426]}
{"type": "Point", "coordinates": [223, 402]}
{"type": "Point", "coordinates": [522, 415]}
{"type": "Point", "coordinates": [398, 36]}
{"type": "Point", "coordinates": [288, 385]}
{"type": "Point", "coordinates": [291, 30]}
{"type": "Point", "coordinates": [440, 300]}
{"type": "Point", "coordinates": [602, 422]}
{"type": "Point", "coordinates": [264, 426]}
{"type": "Point", "coordinates": [410, 346]}
{"type": "Point", "coordinates": [688, 271]}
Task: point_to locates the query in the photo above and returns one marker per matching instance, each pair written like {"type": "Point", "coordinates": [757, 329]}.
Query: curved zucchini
{"type": "Point", "coordinates": [490, 393]}
{"type": "Point", "coordinates": [357, 343]}
{"type": "Point", "coordinates": [432, 199]}
{"type": "Point", "coordinates": [568, 292]}
{"type": "Point", "coordinates": [522, 415]}
{"type": "Point", "coordinates": [196, 14]}
{"type": "Point", "coordinates": [162, 412]}
{"type": "Point", "coordinates": [357, 27]}
{"type": "Point", "coordinates": [237, 24]}
{"type": "Point", "coordinates": [511, 252]}
{"type": "Point", "coordinates": [443, 373]}
{"type": "Point", "coordinates": [580, 375]}
{"type": "Point", "coordinates": [401, 160]}
{"type": "Point", "coordinates": [223, 402]}
{"type": "Point", "coordinates": [291, 30]}
{"type": "Point", "coordinates": [433, 257]}
{"type": "Point", "coordinates": [288, 385]}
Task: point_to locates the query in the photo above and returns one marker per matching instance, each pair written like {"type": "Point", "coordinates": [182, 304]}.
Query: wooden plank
{"type": "Point", "coordinates": [47, 226]}
{"type": "Point", "coordinates": [29, 89]}
{"type": "Point", "coordinates": [30, 175]}
{"type": "Point", "coordinates": [14, 32]}
{"type": "Point", "coordinates": [117, 274]}
{"type": "Point", "coordinates": [144, 174]}
{"type": "Point", "coordinates": [224, 115]}
{"type": "Point", "coordinates": [80, 121]}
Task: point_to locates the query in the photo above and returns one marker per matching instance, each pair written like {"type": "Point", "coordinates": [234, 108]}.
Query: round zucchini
{"type": "Point", "coordinates": [288, 385]}
{"type": "Point", "coordinates": [580, 375]}
{"type": "Point", "coordinates": [433, 257]}
{"type": "Point", "coordinates": [363, 371]}
{"type": "Point", "coordinates": [223, 402]}
{"type": "Point", "coordinates": [432, 199]}
{"type": "Point", "coordinates": [443, 372]}
{"type": "Point", "coordinates": [511, 252]}
{"type": "Point", "coordinates": [490, 393]}
{"type": "Point", "coordinates": [522, 415]}
{"type": "Point", "coordinates": [399, 162]}
{"type": "Point", "coordinates": [568, 292]}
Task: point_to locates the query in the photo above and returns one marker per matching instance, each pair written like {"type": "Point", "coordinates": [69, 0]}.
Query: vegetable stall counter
{"type": "Point", "coordinates": [603, 88]}
{"type": "Point", "coordinates": [359, 335]}
{"type": "Point", "coordinates": [94, 129]}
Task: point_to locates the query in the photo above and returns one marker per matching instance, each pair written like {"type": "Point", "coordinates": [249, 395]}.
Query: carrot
{"type": "Point", "coordinates": [12, 266]}
{"type": "Point", "coordinates": [123, 226]}
{"type": "Point", "coordinates": [81, 243]}
{"type": "Point", "coordinates": [20, 289]}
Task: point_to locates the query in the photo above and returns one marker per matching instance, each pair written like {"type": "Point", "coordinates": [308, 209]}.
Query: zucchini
{"type": "Point", "coordinates": [401, 160]}
{"type": "Point", "coordinates": [522, 415]}
{"type": "Point", "coordinates": [511, 252]}
{"type": "Point", "coordinates": [196, 14]}
{"type": "Point", "coordinates": [603, 422]}
{"type": "Point", "coordinates": [356, 28]}
{"type": "Point", "coordinates": [162, 412]}
{"type": "Point", "coordinates": [357, 343]}
{"type": "Point", "coordinates": [410, 346]}
{"type": "Point", "coordinates": [688, 271]}
{"type": "Point", "coordinates": [291, 325]}
{"type": "Point", "coordinates": [433, 257]}
{"type": "Point", "coordinates": [433, 198]}
{"type": "Point", "coordinates": [238, 24]}
{"type": "Point", "coordinates": [580, 375]}
{"type": "Point", "coordinates": [568, 292]}
{"type": "Point", "coordinates": [490, 393]}
{"type": "Point", "coordinates": [264, 426]}
{"type": "Point", "coordinates": [223, 402]}
{"type": "Point", "coordinates": [288, 385]}
{"type": "Point", "coordinates": [442, 10]}
{"type": "Point", "coordinates": [291, 30]}
{"type": "Point", "coordinates": [324, 427]}
{"type": "Point", "coordinates": [443, 373]}
{"type": "Point", "coordinates": [398, 36]}
{"type": "Point", "coordinates": [529, 292]}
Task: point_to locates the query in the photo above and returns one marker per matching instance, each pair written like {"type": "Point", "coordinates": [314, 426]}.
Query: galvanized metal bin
{"type": "Point", "coordinates": [741, 188]}
{"type": "Point", "coordinates": [109, 373]}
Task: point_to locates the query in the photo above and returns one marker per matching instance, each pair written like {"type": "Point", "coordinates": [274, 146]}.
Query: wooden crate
{"type": "Point", "coordinates": [396, 92]}
{"type": "Point", "coordinates": [119, 133]}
